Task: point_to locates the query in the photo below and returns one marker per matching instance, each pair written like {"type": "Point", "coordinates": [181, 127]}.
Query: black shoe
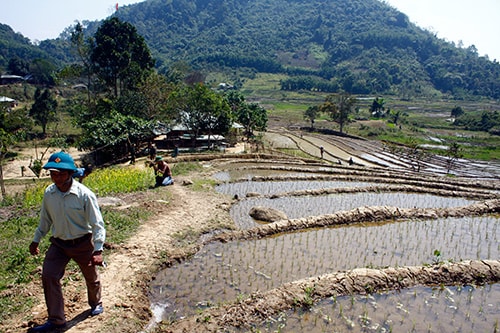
{"type": "Point", "coordinates": [47, 327]}
{"type": "Point", "coordinates": [96, 310]}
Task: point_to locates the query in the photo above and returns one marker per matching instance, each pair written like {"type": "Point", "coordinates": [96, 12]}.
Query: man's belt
{"type": "Point", "coordinates": [74, 241]}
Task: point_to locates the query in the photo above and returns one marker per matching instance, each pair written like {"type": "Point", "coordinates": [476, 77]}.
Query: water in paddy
{"type": "Point", "coordinates": [420, 309]}
{"type": "Point", "coordinates": [232, 175]}
{"type": "Point", "coordinates": [222, 272]}
{"type": "Point", "coordinates": [304, 206]}
{"type": "Point", "coordinates": [273, 187]}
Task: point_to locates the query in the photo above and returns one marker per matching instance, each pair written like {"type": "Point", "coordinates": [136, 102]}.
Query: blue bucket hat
{"type": "Point", "coordinates": [60, 161]}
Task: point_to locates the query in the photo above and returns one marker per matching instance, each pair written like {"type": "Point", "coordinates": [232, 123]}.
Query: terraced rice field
{"type": "Point", "coordinates": [342, 222]}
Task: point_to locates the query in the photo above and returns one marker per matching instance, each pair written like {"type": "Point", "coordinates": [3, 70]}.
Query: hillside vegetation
{"type": "Point", "coordinates": [359, 46]}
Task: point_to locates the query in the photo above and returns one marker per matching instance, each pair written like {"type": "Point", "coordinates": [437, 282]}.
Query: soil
{"type": "Point", "coordinates": [165, 239]}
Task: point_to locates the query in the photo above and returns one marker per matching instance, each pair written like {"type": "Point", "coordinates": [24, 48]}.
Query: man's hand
{"type": "Point", "coordinates": [34, 248]}
{"type": "Point", "coordinates": [96, 259]}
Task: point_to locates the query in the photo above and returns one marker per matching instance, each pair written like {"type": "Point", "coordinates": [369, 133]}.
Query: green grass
{"type": "Point", "coordinates": [119, 180]}
{"type": "Point", "coordinates": [184, 168]}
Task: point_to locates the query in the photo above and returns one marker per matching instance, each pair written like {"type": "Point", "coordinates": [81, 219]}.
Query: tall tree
{"type": "Point", "coordinates": [202, 110]}
{"type": "Point", "coordinates": [120, 55]}
{"type": "Point", "coordinates": [453, 153]}
{"type": "Point", "coordinates": [339, 107]}
{"type": "Point", "coordinates": [82, 47]}
{"type": "Point", "coordinates": [252, 116]}
{"type": "Point", "coordinates": [156, 91]}
{"type": "Point", "coordinates": [43, 109]}
{"type": "Point", "coordinates": [378, 107]}
{"type": "Point", "coordinates": [311, 114]}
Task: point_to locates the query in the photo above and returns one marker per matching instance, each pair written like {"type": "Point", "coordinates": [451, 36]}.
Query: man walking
{"type": "Point", "coordinates": [71, 212]}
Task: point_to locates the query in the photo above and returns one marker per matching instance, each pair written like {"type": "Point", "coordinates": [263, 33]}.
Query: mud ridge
{"type": "Point", "coordinates": [465, 193]}
{"type": "Point", "coordinates": [259, 307]}
{"type": "Point", "coordinates": [332, 173]}
{"type": "Point", "coordinates": [359, 215]}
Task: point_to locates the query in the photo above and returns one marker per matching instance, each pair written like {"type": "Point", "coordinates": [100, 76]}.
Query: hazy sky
{"type": "Point", "coordinates": [474, 22]}
{"type": "Point", "coordinates": [470, 21]}
{"type": "Point", "coordinates": [44, 19]}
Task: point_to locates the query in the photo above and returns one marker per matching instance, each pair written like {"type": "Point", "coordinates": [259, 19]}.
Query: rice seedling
{"type": "Point", "coordinates": [294, 256]}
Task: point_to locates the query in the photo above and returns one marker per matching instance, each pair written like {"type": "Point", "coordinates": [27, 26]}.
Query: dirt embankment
{"type": "Point", "coordinates": [360, 215]}
{"type": "Point", "coordinates": [259, 306]}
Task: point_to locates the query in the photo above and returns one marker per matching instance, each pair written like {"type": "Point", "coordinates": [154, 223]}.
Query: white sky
{"type": "Point", "coordinates": [474, 22]}
{"type": "Point", "coordinates": [46, 19]}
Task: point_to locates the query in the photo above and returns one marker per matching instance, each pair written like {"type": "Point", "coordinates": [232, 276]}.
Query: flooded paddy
{"type": "Point", "coordinates": [230, 271]}
{"type": "Point", "coordinates": [271, 187]}
{"type": "Point", "coordinates": [420, 309]}
{"type": "Point", "coordinates": [248, 174]}
{"type": "Point", "coordinates": [226, 271]}
{"type": "Point", "coordinates": [303, 206]}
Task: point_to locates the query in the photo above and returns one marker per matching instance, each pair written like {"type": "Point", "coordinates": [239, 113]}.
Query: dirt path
{"type": "Point", "coordinates": [130, 268]}
{"type": "Point", "coordinates": [131, 265]}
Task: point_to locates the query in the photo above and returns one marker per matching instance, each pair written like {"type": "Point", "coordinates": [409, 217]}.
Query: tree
{"type": "Point", "coordinates": [156, 92]}
{"type": "Point", "coordinates": [82, 48]}
{"type": "Point", "coordinates": [202, 110]}
{"type": "Point", "coordinates": [395, 116]}
{"type": "Point", "coordinates": [453, 153]}
{"type": "Point", "coordinates": [252, 116]}
{"type": "Point", "coordinates": [377, 107]}
{"type": "Point", "coordinates": [339, 107]}
{"type": "Point", "coordinates": [416, 154]}
{"type": "Point", "coordinates": [43, 109]}
{"type": "Point", "coordinates": [12, 124]}
{"type": "Point", "coordinates": [120, 55]}
{"type": "Point", "coordinates": [114, 133]}
{"type": "Point", "coordinates": [18, 66]}
{"type": "Point", "coordinates": [43, 72]}
{"type": "Point", "coordinates": [457, 112]}
{"type": "Point", "coordinates": [311, 114]}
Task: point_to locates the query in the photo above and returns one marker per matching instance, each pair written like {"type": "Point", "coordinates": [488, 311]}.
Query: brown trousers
{"type": "Point", "coordinates": [56, 259]}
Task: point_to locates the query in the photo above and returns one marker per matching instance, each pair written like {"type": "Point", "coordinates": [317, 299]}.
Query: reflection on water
{"type": "Point", "coordinates": [299, 207]}
{"type": "Point", "coordinates": [272, 187]}
{"type": "Point", "coordinates": [447, 309]}
{"type": "Point", "coordinates": [248, 174]}
{"type": "Point", "coordinates": [222, 272]}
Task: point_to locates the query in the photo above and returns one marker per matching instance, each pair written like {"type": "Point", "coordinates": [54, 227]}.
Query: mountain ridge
{"type": "Point", "coordinates": [360, 46]}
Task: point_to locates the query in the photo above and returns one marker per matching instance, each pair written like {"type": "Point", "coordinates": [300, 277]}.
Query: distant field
{"type": "Point", "coordinates": [425, 120]}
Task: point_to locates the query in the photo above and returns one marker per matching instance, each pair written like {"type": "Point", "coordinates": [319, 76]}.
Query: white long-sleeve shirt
{"type": "Point", "coordinates": [71, 215]}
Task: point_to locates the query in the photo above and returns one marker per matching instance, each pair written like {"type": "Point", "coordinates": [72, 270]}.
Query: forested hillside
{"type": "Point", "coordinates": [360, 46]}
{"type": "Point", "coordinates": [14, 45]}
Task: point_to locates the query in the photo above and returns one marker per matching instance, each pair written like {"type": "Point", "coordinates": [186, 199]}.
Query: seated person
{"type": "Point", "coordinates": [162, 172]}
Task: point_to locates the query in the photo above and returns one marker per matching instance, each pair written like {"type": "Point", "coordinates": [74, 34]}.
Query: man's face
{"type": "Point", "coordinates": [62, 178]}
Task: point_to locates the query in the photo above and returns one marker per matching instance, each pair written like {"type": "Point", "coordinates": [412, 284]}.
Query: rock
{"type": "Point", "coordinates": [253, 195]}
{"type": "Point", "coordinates": [267, 214]}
